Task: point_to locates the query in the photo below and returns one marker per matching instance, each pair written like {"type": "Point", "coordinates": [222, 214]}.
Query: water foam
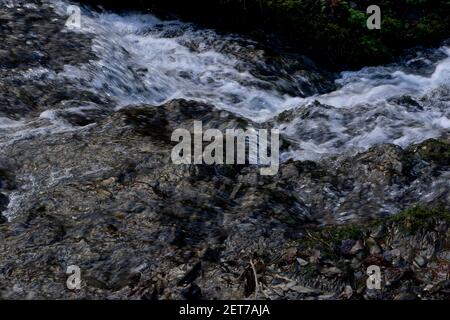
{"type": "Point", "coordinates": [378, 84]}
{"type": "Point", "coordinates": [376, 105]}
{"type": "Point", "coordinates": [143, 60]}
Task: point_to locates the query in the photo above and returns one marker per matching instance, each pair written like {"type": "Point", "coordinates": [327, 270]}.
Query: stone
{"type": "Point", "coordinates": [444, 255]}
{"type": "Point", "coordinates": [420, 261]}
{"type": "Point", "coordinates": [302, 262]}
{"type": "Point", "coordinates": [358, 246]}
{"type": "Point", "coordinates": [374, 248]}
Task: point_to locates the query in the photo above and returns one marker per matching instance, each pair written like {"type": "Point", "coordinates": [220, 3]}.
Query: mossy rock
{"type": "Point", "coordinates": [435, 151]}
{"type": "Point", "coordinates": [328, 240]}
{"type": "Point", "coordinates": [148, 122]}
{"type": "Point", "coordinates": [419, 217]}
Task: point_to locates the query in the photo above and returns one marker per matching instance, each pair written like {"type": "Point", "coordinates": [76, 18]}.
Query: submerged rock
{"type": "Point", "coordinates": [34, 46]}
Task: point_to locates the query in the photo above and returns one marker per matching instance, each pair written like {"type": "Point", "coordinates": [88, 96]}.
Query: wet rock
{"type": "Point", "coordinates": [347, 293]}
{"type": "Point", "coordinates": [420, 261]}
{"type": "Point", "coordinates": [6, 180]}
{"type": "Point", "coordinates": [87, 214]}
{"type": "Point", "coordinates": [36, 46]}
{"type": "Point", "coordinates": [374, 248]}
{"type": "Point", "coordinates": [6, 185]}
{"type": "Point", "coordinates": [3, 219]}
{"type": "Point", "coordinates": [3, 202]}
{"type": "Point", "coordinates": [347, 246]}
{"type": "Point", "coordinates": [358, 247]}
{"type": "Point", "coordinates": [351, 247]}
{"type": "Point", "coordinates": [302, 262]}
{"type": "Point", "coordinates": [434, 151]}
{"type": "Point", "coordinates": [191, 275]}
{"type": "Point", "coordinates": [35, 37]}
{"type": "Point", "coordinates": [79, 113]}
{"type": "Point", "coordinates": [438, 287]}
{"type": "Point", "coordinates": [444, 255]}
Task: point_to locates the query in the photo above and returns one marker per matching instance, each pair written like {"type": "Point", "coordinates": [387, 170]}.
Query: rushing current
{"type": "Point", "coordinates": [144, 60]}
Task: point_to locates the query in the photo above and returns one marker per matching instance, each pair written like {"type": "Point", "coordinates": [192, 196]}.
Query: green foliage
{"type": "Point", "coordinates": [328, 240]}
{"type": "Point", "coordinates": [335, 32]}
{"type": "Point", "coordinates": [332, 32]}
{"type": "Point", "coordinates": [420, 217]}
{"type": "Point", "coordinates": [339, 233]}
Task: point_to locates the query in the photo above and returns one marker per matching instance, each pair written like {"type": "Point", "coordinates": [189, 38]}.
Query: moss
{"type": "Point", "coordinates": [337, 234]}
{"type": "Point", "coordinates": [242, 123]}
{"type": "Point", "coordinates": [328, 240]}
{"type": "Point", "coordinates": [420, 217]}
{"type": "Point", "coordinates": [147, 121]}
{"type": "Point", "coordinates": [285, 116]}
{"type": "Point", "coordinates": [434, 151]}
{"type": "Point", "coordinates": [26, 98]}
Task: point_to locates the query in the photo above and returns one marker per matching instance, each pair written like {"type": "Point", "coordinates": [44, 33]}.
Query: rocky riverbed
{"type": "Point", "coordinates": [86, 180]}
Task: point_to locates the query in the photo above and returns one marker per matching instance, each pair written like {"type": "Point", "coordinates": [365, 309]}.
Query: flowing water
{"type": "Point", "coordinates": [143, 60]}
{"type": "Point", "coordinates": [403, 104]}
{"type": "Point", "coordinates": [78, 186]}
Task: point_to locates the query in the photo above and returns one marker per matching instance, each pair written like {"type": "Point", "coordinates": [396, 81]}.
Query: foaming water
{"type": "Point", "coordinates": [143, 60]}
{"type": "Point", "coordinates": [403, 104]}
{"type": "Point", "coordinates": [378, 84]}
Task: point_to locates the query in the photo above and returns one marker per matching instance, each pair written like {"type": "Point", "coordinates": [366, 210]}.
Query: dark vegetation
{"type": "Point", "coordinates": [332, 32]}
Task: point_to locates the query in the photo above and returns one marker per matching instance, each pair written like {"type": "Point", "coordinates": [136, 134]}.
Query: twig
{"type": "Point", "coordinates": [256, 279]}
